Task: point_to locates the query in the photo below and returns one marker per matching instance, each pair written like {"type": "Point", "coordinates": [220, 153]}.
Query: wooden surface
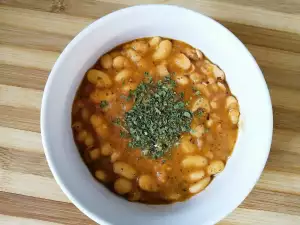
{"type": "Point", "coordinates": [34, 32]}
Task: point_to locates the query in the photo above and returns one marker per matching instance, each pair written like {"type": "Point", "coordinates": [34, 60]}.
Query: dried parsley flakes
{"type": "Point", "coordinates": [157, 118]}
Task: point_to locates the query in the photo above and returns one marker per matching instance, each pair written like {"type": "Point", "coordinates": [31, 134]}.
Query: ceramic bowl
{"type": "Point", "coordinates": [243, 75]}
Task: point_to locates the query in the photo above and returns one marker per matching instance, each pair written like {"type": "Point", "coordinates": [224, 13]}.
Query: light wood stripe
{"type": "Point", "coordinates": [248, 15]}
{"type": "Point", "coordinates": [280, 181]}
{"type": "Point", "coordinates": [24, 162]}
{"type": "Point", "coordinates": [19, 139]}
{"type": "Point", "coordinates": [12, 220]}
{"type": "Point", "coordinates": [267, 200]}
{"type": "Point", "coordinates": [25, 57]}
{"type": "Point", "coordinates": [275, 58]}
{"type": "Point", "coordinates": [42, 209]}
{"type": "Point", "coordinates": [250, 217]}
{"type": "Point", "coordinates": [40, 187]}
{"type": "Point", "coordinates": [285, 118]}
{"type": "Point", "coordinates": [20, 97]}
{"type": "Point", "coordinates": [35, 20]}
{"type": "Point", "coordinates": [20, 118]}
{"type": "Point", "coordinates": [286, 140]}
{"type": "Point", "coordinates": [13, 75]}
{"type": "Point", "coordinates": [284, 98]}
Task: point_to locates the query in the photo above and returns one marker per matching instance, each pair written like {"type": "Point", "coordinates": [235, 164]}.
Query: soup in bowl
{"type": "Point", "coordinates": [155, 120]}
{"type": "Point", "coordinates": [91, 134]}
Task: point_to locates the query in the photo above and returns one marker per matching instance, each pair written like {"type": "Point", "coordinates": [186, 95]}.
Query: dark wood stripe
{"type": "Point", "coordinates": [24, 162]}
{"type": "Point", "coordinates": [41, 209]}
{"type": "Point", "coordinates": [20, 118]}
{"type": "Point", "coordinates": [286, 119]}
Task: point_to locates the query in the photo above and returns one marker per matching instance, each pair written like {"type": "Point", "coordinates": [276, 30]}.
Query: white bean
{"type": "Point", "coordinates": [106, 61]}
{"type": "Point", "coordinates": [197, 175]}
{"type": "Point", "coordinates": [198, 131]}
{"type": "Point", "coordinates": [194, 161]}
{"type": "Point", "coordinates": [231, 102]}
{"type": "Point", "coordinates": [147, 183]}
{"type": "Point", "coordinates": [120, 62]}
{"type": "Point", "coordinates": [200, 185]}
{"type": "Point", "coordinates": [125, 170]}
{"type": "Point", "coordinates": [162, 70]}
{"type": "Point", "coordinates": [182, 61]}
{"type": "Point", "coordinates": [234, 115]}
{"type": "Point", "coordinates": [154, 41]}
{"type": "Point", "coordinates": [101, 175]}
{"type": "Point", "coordinates": [163, 51]}
{"type": "Point", "coordinates": [122, 186]}
{"type": "Point", "coordinates": [94, 154]}
{"type": "Point", "coordinates": [133, 55]}
{"type": "Point", "coordinates": [107, 149]}
{"type": "Point", "coordinates": [99, 78]}
{"type": "Point", "coordinates": [200, 103]}
{"type": "Point", "coordinates": [218, 73]}
{"type": "Point", "coordinates": [181, 80]}
{"type": "Point", "coordinates": [123, 75]}
{"type": "Point", "coordinates": [215, 167]}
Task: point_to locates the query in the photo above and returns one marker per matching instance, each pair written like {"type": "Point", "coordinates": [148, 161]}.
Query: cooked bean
{"type": "Point", "coordinates": [172, 196]}
{"type": "Point", "coordinates": [106, 61]}
{"type": "Point", "coordinates": [218, 73]}
{"type": "Point", "coordinates": [123, 75]}
{"type": "Point", "coordinates": [99, 78]}
{"type": "Point", "coordinates": [231, 102]}
{"type": "Point", "coordinates": [81, 135]}
{"type": "Point", "coordinates": [140, 46]}
{"type": "Point", "coordinates": [196, 77]}
{"type": "Point", "coordinates": [134, 196]}
{"type": "Point", "coordinates": [198, 131]}
{"type": "Point", "coordinates": [182, 61]}
{"type": "Point", "coordinates": [89, 140]}
{"type": "Point", "coordinates": [94, 154]}
{"type": "Point", "coordinates": [234, 115]}
{"type": "Point", "coordinates": [187, 146]}
{"type": "Point", "coordinates": [120, 62]}
{"type": "Point", "coordinates": [200, 103]}
{"type": "Point", "coordinates": [200, 185]}
{"type": "Point", "coordinates": [215, 167]}
{"type": "Point", "coordinates": [196, 175]}
{"type": "Point", "coordinates": [203, 89]}
{"type": "Point", "coordinates": [102, 95]}
{"type": "Point", "coordinates": [122, 186]}
{"type": "Point", "coordinates": [85, 114]}
{"type": "Point", "coordinates": [162, 70]}
{"type": "Point", "coordinates": [101, 175]}
{"type": "Point", "coordinates": [133, 55]}
{"type": "Point", "coordinates": [147, 183]}
{"type": "Point", "coordinates": [163, 51]}
{"type": "Point", "coordinates": [154, 42]}
{"type": "Point", "coordinates": [194, 161]}
{"type": "Point", "coordinates": [181, 80]}
{"type": "Point", "coordinates": [77, 126]}
{"type": "Point", "coordinates": [107, 149]}
{"type": "Point", "coordinates": [125, 170]}
{"type": "Point", "coordinates": [115, 156]}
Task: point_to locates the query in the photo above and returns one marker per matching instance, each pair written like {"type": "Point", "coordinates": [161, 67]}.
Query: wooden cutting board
{"type": "Point", "coordinates": [34, 32]}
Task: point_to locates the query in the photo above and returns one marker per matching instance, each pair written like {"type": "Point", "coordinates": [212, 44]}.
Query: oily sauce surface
{"type": "Point", "coordinates": [169, 179]}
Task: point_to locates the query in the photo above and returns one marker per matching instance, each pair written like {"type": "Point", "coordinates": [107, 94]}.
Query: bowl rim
{"type": "Point", "coordinates": [65, 53]}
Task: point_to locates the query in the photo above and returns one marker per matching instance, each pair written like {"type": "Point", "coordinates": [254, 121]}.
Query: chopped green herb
{"type": "Point", "coordinates": [117, 121]}
{"type": "Point", "coordinates": [103, 104]}
{"type": "Point", "coordinates": [157, 118]}
{"type": "Point", "coordinates": [198, 113]}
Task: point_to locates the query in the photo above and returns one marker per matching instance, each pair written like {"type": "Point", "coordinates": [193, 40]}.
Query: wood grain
{"type": "Point", "coordinates": [34, 32]}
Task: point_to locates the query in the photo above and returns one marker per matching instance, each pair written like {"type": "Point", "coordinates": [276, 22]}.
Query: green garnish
{"type": "Point", "coordinates": [103, 104]}
{"type": "Point", "coordinates": [157, 118]}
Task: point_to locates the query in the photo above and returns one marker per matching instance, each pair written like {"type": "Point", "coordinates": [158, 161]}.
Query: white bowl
{"type": "Point", "coordinates": [245, 79]}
